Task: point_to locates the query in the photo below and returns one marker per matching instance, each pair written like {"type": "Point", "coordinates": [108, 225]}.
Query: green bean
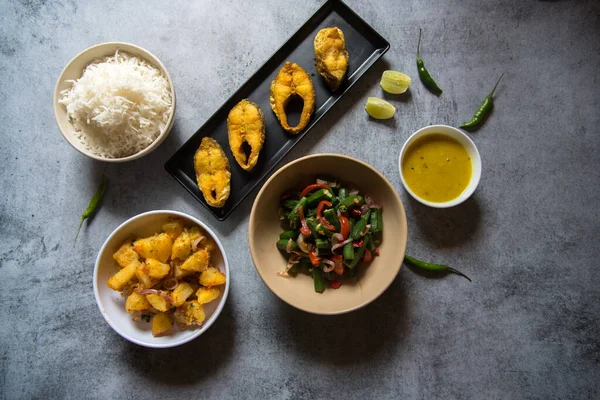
{"type": "Point", "coordinates": [318, 196]}
{"type": "Point", "coordinates": [282, 244]}
{"type": "Point", "coordinates": [484, 109]}
{"type": "Point", "coordinates": [370, 243]}
{"type": "Point", "coordinates": [331, 216]}
{"type": "Point", "coordinates": [343, 193]}
{"type": "Point", "coordinates": [376, 220]}
{"type": "Point", "coordinates": [322, 244]}
{"type": "Point", "coordinates": [290, 204]}
{"type": "Point", "coordinates": [359, 227]}
{"type": "Point", "coordinates": [357, 256]}
{"type": "Point", "coordinates": [432, 267]}
{"type": "Point", "coordinates": [323, 231]}
{"type": "Point", "coordinates": [294, 216]}
{"type": "Point", "coordinates": [352, 200]}
{"type": "Point", "coordinates": [348, 252]}
{"type": "Point", "coordinates": [312, 225]}
{"type": "Point", "coordinates": [92, 206]}
{"type": "Point", "coordinates": [318, 279]}
{"type": "Point", "coordinates": [426, 78]}
{"type": "Point", "coordinates": [292, 234]}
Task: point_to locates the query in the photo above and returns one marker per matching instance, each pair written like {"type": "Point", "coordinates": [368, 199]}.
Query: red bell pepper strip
{"type": "Point", "coordinates": [368, 256]}
{"type": "Point", "coordinates": [335, 284]}
{"type": "Point", "coordinates": [320, 217]}
{"type": "Point", "coordinates": [305, 230]}
{"type": "Point", "coordinates": [344, 226]}
{"type": "Point", "coordinates": [339, 266]}
{"type": "Point", "coordinates": [314, 259]}
{"type": "Point", "coordinates": [310, 188]}
{"type": "Point", "coordinates": [376, 251]}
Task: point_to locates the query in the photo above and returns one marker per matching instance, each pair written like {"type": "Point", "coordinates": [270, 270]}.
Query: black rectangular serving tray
{"type": "Point", "coordinates": [364, 45]}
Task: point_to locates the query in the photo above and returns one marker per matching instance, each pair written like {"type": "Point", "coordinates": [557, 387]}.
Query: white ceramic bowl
{"type": "Point", "coordinates": [74, 70]}
{"type": "Point", "coordinates": [468, 144]}
{"type": "Point", "coordinates": [112, 305]}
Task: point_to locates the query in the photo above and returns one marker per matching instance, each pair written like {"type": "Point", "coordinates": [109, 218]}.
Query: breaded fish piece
{"type": "Point", "coordinates": [212, 172]}
{"type": "Point", "coordinates": [331, 56]}
{"type": "Point", "coordinates": [246, 124]}
{"type": "Point", "coordinates": [292, 80]}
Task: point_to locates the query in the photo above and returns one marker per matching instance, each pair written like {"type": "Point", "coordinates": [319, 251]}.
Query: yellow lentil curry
{"type": "Point", "coordinates": [437, 168]}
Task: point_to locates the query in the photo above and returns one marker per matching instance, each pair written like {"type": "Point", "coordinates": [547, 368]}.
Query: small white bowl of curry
{"type": "Point", "coordinates": [440, 166]}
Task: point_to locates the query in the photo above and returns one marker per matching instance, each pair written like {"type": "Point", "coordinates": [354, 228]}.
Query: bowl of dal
{"type": "Point", "coordinates": [440, 166]}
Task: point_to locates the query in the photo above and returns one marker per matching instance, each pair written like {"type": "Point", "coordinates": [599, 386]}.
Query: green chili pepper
{"type": "Point", "coordinates": [484, 109]}
{"type": "Point", "coordinates": [92, 206]}
{"type": "Point", "coordinates": [424, 74]}
{"type": "Point", "coordinates": [432, 267]}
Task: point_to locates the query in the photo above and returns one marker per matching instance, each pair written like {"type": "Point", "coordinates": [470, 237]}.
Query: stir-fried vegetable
{"type": "Point", "coordinates": [328, 231]}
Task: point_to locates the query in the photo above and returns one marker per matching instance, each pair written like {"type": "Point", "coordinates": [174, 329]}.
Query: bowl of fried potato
{"type": "Point", "coordinates": [161, 279]}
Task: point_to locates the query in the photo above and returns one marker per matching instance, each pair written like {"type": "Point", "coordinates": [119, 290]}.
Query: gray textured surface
{"type": "Point", "coordinates": [527, 327]}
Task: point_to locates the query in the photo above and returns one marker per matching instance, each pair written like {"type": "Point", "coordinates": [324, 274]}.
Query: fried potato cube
{"type": "Point", "coordinates": [158, 302]}
{"type": "Point", "coordinates": [179, 273]}
{"type": "Point", "coordinates": [125, 255]}
{"type": "Point", "coordinates": [194, 233]}
{"type": "Point", "coordinates": [190, 313]}
{"type": "Point", "coordinates": [119, 280]}
{"type": "Point", "coordinates": [182, 247]}
{"type": "Point", "coordinates": [212, 277]}
{"type": "Point", "coordinates": [181, 293]}
{"type": "Point", "coordinates": [157, 247]}
{"type": "Point", "coordinates": [198, 261]}
{"type": "Point", "coordinates": [206, 295]}
{"type": "Point", "coordinates": [136, 302]}
{"type": "Point", "coordinates": [155, 269]}
{"type": "Point", "coordinates": [173, 228]}
{"type": "Point", "coordinates": [161, 323]}
{"type": "Point", "coordinates": [141, 273]}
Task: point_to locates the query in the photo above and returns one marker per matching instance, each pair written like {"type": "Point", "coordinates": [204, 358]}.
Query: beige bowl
{"type": "Point", "coordinates": [264, 230]}
{"type": "Point", "coordinates": [74, 70]}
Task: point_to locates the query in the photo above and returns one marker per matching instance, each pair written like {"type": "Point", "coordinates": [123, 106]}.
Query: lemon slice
{"type": "Point", "coordinates": [379, 109]}
{"type": "Point", "coordinates": [394, 82]}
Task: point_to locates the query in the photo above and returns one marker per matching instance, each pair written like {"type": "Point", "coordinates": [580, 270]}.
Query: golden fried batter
{"type": "Point", "coordinates": [290, 81]}
{"type": "Point", "coordinates": [246, 124]}
{"type": "Point", "coordinates": [331, 55]}
{"type": "Point", "coordinates": [212, 172]}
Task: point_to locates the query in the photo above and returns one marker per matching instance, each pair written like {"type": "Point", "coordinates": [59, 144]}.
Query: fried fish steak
{"type": "Point", "coordinates": [246, 124]}
{"type": "Point", "coordinates": [292, 80]}
{"type": "Point", "coordinates": [331, 56]}
{"type": "Point", "coordinates": [212, 172]}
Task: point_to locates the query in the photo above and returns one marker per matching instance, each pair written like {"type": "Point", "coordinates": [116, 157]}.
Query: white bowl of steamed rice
{"type": "Point", "coordinates": [114, 102]}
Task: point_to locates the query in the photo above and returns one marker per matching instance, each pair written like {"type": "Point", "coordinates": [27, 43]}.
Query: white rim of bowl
{"type": "Point", "coordinates": [251, 230]}
{"type": "Point", "coordinates": [201, 329]}
{"type": "Point", "coordinates": [475, 162]}
{"type": "Point", "coordinates": [149, 57]}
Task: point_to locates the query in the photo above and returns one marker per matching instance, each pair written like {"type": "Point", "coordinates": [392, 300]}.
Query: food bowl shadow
{"type": "Point", "coordinates": [447, 227]}
{"type": "Point", "coordinates": [192, 362]}
{"type": "Point", "coordinates": [361, 337]}
{"type": "Point", "coordinates": [130, 184]}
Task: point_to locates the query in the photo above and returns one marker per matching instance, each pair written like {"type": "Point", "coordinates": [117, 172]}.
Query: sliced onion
{"type": "Point", "coordinates": [353, 191]}
{"type": "Point", "coordinates": [197, 242]}
{"type": "Point", "coordinates": [172, 286]}
{"type": "Point", "coordinates": [290, 246]}
{"type": "Point", "coordinates": [331, 265]}
{"type": "Point", "coordinates": [146, 291]}
{"type": "Point", "coordinates": [165, 296]}
{"type": "Point", "coordinates": [342, 244]}
{"type": "Point", "coordinates": [339, 213]}
{"type": "Point", "coordinates": [336, 238]}
{"type": "Point", "coordinates": [369, 201]}
{"type": "Point", "coordinates": [305, 247]}
{"type": "Point", "coordinates": [294, 259]}
{"type": "Point", "coordinates": [367, 228]}
{"type": "Point", "coordinates": [364, 208]}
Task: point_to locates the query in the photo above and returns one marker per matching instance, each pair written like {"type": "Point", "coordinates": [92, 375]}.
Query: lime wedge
{"type": "Point", "coordinates": [379, 109]}
{"type": "Point", "coordinates": [394, 82]}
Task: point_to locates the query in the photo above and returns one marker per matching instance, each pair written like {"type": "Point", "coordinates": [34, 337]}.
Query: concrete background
{"type": "Point", "coordinates": [526, 328]}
